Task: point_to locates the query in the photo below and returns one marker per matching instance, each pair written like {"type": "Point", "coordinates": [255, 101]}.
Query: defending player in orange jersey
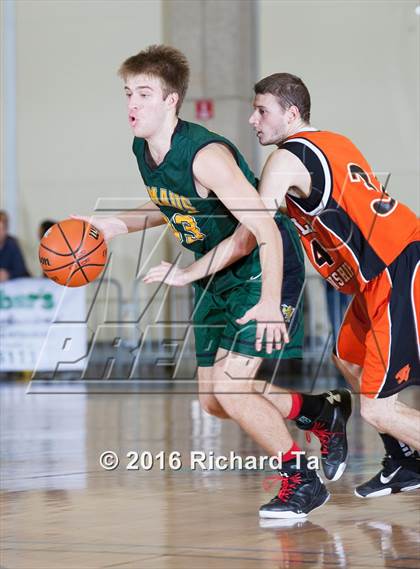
{"type": "Point", "coordinates": [365, 243]}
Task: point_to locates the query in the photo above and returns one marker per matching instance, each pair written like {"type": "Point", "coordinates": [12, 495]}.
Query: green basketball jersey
{"type": "Point", "coordinates": [198, 223]}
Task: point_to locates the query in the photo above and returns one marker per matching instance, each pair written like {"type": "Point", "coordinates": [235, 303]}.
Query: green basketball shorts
{"type": "Point", "coordinates": [215, 318]}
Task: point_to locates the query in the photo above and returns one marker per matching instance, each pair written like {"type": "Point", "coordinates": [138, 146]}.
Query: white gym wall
{"type": "Point", "coordinates": [360, 62]}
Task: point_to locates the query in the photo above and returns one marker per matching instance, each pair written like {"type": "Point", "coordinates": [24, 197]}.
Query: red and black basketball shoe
{"type": "Point", "coordinates": [330, 428]}
{"type": "Point", "coordinates": [301, 491]}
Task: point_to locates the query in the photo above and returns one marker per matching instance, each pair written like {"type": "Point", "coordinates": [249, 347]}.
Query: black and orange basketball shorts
{"type": "Point", "coordinates": [380, 330]}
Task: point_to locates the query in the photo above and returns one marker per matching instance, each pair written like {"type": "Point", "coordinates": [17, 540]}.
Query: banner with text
{"type": "Point", "coordinates": [30, 310]}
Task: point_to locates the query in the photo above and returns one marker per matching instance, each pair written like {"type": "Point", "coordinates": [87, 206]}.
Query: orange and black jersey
{"type": "Point", "coordinates": [350, 227]}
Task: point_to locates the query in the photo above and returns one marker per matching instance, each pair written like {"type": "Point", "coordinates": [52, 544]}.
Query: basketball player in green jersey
{"type": "Point", "coordinates": [200, 185]}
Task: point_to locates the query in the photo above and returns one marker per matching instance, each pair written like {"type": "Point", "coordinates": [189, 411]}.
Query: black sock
{"type": "Point", "coordinates": [311, 407]}
{"type": "Point", "coordinates": [397, 449]}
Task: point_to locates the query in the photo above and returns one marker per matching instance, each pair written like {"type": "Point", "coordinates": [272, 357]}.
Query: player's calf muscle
{"type": "Point", "coordinates": [388, 416]}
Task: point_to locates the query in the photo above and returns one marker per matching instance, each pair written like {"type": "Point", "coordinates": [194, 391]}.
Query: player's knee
{"type": "Point", "coordinates": [224, 384]}
{"type": "Point", "coordinates": [255, 385]}
{"type": "Point", "coordinates": [372, 413]}
{"type": "Point", "coordinates": [368, 415]}
{"type": "Point", "coordinates": [206, 404]}
{"type": "Point", "coordinates": [211, 406]}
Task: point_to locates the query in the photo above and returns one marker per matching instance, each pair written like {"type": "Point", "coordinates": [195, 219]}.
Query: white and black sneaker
{"type": "Point", "coordinates": [396, 476]}
{"type": "Point", "coordinates": [301, 491]}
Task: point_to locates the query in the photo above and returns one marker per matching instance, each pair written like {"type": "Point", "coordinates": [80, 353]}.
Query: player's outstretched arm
{"type": "Point", "coordinates": [143, 217]}
{"type": "Point", "coordinates": [281, 171]}
{"type": "Point", "coordinates": [215, 169]}
{"type": "Point", "coordinates": [231, 249]}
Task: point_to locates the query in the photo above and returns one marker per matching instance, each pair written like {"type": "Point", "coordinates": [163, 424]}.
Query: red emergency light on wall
{"type": "Point", "coordinates": [204, 109]}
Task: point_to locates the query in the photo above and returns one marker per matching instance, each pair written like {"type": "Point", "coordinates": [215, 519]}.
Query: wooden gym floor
{"type": "Point", "coordinates": [61, 510]}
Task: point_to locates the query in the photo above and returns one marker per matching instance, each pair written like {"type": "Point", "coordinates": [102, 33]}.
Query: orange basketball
{"type": "Point", "coordinates": [72, 252]}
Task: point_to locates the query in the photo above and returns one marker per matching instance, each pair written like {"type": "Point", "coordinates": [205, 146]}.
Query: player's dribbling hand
{"type": "Point", "coordinates": [109, 226]}
{"type": "Point", "coordinates": [270, 322]}
{"type": "Point", "coordinates": [167, 273]}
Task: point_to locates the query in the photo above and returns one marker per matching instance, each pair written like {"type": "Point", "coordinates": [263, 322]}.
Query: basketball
{"type": "Point", "coordinates": [72, 253]}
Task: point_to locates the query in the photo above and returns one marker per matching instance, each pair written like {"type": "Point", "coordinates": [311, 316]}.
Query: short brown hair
{"type": "Point", "coordinates": [289, 90]}
{"type": "Point", "coordinates": [165, 62]}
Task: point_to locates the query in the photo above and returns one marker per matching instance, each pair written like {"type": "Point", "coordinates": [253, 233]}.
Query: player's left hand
{"type": "Point", "coordinates": [270, 322]}
{"type": "Point", "coordinates": [167, 273]}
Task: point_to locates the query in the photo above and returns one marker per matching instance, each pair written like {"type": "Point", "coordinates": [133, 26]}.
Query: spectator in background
{"type": "Point", "coordinates": [44, 226]}
{"type": "Point", "coordinates": [12, 264]}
